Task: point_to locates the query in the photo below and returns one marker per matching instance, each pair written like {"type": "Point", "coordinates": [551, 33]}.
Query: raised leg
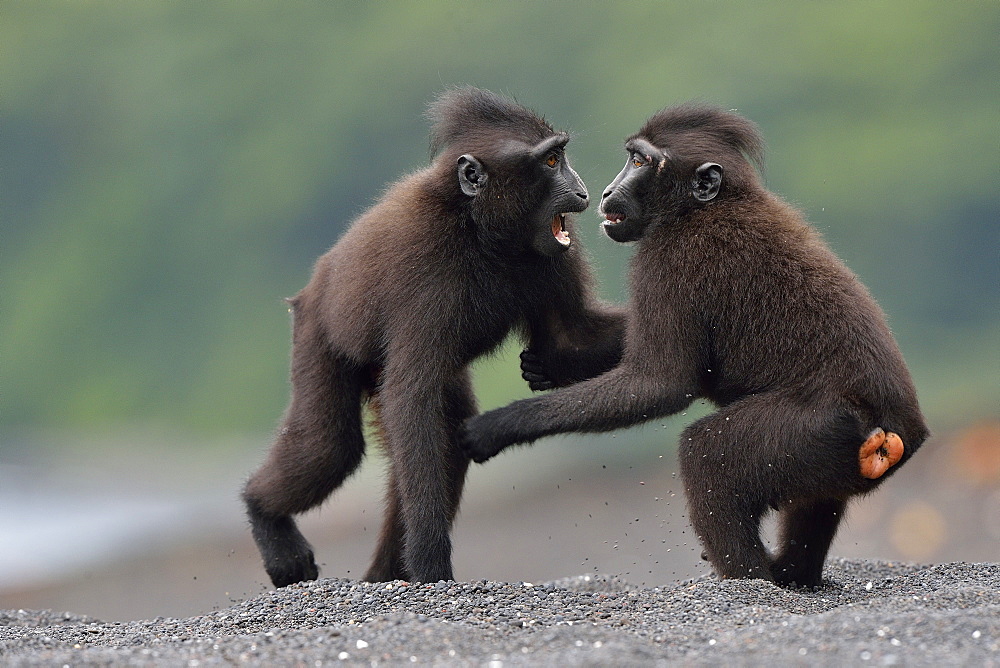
{"type": "Point", "coordinates": [771, 451]}
{"type": "Point", "coordinates": [806, 531]}
{"type": "Point", "coordinates": [319, 445]}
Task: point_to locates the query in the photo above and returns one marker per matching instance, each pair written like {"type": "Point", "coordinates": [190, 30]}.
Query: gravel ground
{"type": "Point", "coordinates": [871, 613]}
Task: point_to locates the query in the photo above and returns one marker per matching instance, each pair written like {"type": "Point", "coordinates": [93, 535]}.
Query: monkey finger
{"type": "Point", "coordinates": [537, 379]}
{"type": "Point", "coordinates": [541, 385]}
{"type": "Point", "coordinates": [532, 368]}
{"type": "Point", "coordinates": [532, 364]}
{"type": "Point", "coordinates": [530, 360]}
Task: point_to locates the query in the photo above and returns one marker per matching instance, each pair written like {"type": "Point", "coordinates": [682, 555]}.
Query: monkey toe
{"type": "Point", "coordinates": [291, 568]}
{"type": "Point", "coordinates": [880, 451]}
{"type": "Point", "coordinates": [288, 557]}
{"type": "Point", "coordinates": [790, 575]}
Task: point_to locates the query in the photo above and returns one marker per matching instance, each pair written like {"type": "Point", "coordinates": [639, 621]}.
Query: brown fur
{"type": "Point", "coordinates": [737, 300]}
{"type": "Point", "coordinates": [423, 283]}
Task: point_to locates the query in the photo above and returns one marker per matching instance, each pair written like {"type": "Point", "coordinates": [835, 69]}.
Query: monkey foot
{"type": "Point", "coordinates": [879, 453]}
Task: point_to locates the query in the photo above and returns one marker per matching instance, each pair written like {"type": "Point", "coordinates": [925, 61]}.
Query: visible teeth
{"type": "Point", "coordinates": [559, 229]}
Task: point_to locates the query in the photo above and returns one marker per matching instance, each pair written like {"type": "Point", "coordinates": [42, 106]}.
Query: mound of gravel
{"type": "Point", "coordinates": [870, 613]}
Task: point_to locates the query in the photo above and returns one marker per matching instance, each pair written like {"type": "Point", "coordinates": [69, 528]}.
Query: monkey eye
{"type": "Point", "coordinates": [637, 161]}
{"type": "Point", "coordinates": [552, 160]}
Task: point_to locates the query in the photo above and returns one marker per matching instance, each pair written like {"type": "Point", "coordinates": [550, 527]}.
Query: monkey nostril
{"type": "Point", "coordinates": [584, 196]}
{"type": "Point", "coordinates": [607, 194]}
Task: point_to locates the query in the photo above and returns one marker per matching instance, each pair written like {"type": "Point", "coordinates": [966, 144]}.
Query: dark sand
{"type": "Point", "coordinates": [870, 613]}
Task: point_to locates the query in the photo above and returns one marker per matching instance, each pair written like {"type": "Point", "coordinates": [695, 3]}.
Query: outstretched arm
{"type": "Point", "coordinates": [619, 398]}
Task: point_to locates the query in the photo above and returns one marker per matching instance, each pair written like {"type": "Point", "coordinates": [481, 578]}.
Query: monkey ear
{"type": "Point", "coordinates": [471, 175]}
{"type": "Point", "coordinates": [706, 182]}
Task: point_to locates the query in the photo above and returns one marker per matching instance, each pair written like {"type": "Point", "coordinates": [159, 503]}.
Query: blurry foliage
{"type": "Point", "coordinates": [169, 171]}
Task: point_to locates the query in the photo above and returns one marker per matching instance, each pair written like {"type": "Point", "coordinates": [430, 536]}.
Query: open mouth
{"type": "Point", "coordinates": [559, 229]}
{"type": "Point", "coordinates": [621, 228]}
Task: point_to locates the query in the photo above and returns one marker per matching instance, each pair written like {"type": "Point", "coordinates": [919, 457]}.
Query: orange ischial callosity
{"type": "Point", "coordinates": [879, 453]}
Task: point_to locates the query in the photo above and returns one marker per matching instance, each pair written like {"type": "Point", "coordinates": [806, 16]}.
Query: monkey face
{"type": "Point", "coordinates": [553, 225]}
{"type": "Point", "coordinates": [650, 182]}
{"type": "Point", "coordinates": [560, 192]}
{"type": "Point", "coordinates": [621, 203]}
{"type": "Point", "coordinates": [534, 185]}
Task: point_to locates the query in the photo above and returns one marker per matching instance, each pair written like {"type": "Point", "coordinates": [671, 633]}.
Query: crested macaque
{"type": "Point", "coordinates": [736, 299]}
{"type": "Point", "coordinates": [450, 260]}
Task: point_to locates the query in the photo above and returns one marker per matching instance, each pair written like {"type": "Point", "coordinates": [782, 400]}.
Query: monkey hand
{"type": "Point", "coordinates": [481, 437]}
{"type": "Point", "coordinates": [533, 371]}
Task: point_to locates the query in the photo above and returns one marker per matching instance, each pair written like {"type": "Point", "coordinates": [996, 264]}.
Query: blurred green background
{"type": "Point", "coordinates": [170, 171]}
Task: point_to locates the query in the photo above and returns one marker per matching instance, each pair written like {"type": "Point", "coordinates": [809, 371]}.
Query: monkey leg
{"type": "Point", "coordinates": [318, 446]}
{"type": "Point", "coordinates": [730, 533]}
{"type": "Point", "coordinates": [460, 404]}
{"type": "Point", "coordinates": [422, 409]}
{"type": "Point", "coordinates": [725, 506]}
{"type": "Point", "coordinates": [425, 502]}
{"type": "Point", "coordinates": [880, 452]}
{"type": "Point", "coordinates": [770, 450]}
{"type": "Point", "coordinates": [806, 531]}
{"type": "Point", "coordinates": [388, 562]}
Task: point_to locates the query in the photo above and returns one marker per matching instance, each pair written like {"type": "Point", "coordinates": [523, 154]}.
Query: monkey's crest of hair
{"type": "Point", "coordinates": [469, 114]}
{"type": "Point", "coordinates": [706, 131]}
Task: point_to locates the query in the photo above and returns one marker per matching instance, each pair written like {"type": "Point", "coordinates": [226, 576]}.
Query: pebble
{"type": "Point", "coordinates": [946, 614]}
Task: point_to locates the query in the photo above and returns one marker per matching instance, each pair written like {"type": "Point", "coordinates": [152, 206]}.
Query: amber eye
{"type": "Point", "coordinates": [637, 162]}
{"type": "Point", "coordinates": [552, 160]}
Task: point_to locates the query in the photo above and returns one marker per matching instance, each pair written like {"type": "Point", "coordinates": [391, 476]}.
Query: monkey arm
{"type": "Point", "coordinates": [616, 399]}
{"type": "Point", "coordinates": [569, 348]}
